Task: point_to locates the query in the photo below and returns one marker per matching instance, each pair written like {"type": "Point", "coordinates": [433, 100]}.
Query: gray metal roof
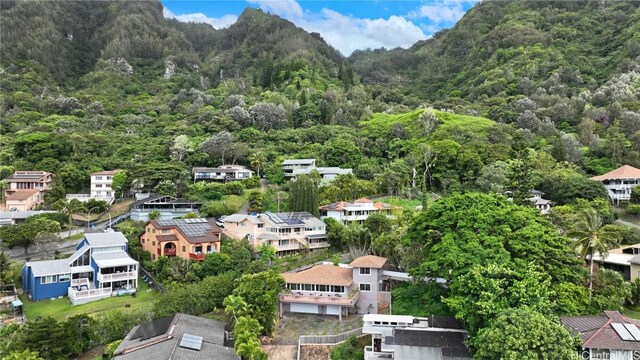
{"type": "Point", "coordinates": [211, 331]}
{"type": "Point", "coordinates": [242, 217]}
{"type": "Point", "coordinates": [298, 161]}
{"type": "Point", "coordinates": [49, 267]}
{"type": "Point", "coordinates": [113, 258]}
{"type": "Point", "coordinates": [105, 239]}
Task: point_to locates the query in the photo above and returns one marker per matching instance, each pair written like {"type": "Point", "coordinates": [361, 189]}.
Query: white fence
{"type": "Point", "coordinates": [327, 339]}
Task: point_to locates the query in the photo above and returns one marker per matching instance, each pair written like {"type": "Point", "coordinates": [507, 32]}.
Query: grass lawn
{"type": "Point", "coordinates": [408, 204]}
{"type": "Point", "coordinates": [61, 309]}
{"type": "Point", "coordinates": [634, 314]}
{"type": "Point", "coordinates": [118, 209]}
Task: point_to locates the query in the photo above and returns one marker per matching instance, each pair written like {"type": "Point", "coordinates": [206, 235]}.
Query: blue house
{"type": "Point", "coordinates": [99, 268]}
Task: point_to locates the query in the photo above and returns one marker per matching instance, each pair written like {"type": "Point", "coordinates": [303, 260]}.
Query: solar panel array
{"type": "Point", "coordinates": [292, 218]}
{"type": "Point", "coordinates": [627, 332]}
{"type": "Point", "coordinates": [192, 342]}
{"type": "Point", "coordinates": [152, 329]}
{"type": "Point", "coordinates": [190, 227]}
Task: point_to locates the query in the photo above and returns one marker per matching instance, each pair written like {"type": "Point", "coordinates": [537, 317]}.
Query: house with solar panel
{"type": "Point", "coordinates": [407, 337]}
{"type": "Point", "coordinates": [99, 268]}
{"type": "Point", "coordinates": [26, 189]}
{"type": "Point", "coordinates": [190, 239]}
{"type": "Point", "coordinates": [179, 336]}
{"type": "Point", "coordinates": [289, 233]}
{"type": "Point", "coordinates": [607, 336]}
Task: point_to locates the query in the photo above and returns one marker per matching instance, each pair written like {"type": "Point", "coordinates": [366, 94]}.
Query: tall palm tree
{"type": "Point", "coordinates": [591, 236]}
{"type": "Point", "coordinates": [258, 160]}
{"type": "Point", "coordinates": [70, 208]}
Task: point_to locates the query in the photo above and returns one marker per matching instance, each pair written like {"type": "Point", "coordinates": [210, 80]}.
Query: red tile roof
{"type": "Point", "coordinates": [108, 172]}
{"type": "Point", "coordinates": [597, 333]}
{"type": "Point", "coordinates": [170, 237]}
{"type": "Point", "coordinates": [321, 275]}
{"type": "Point", "coordinates": [623, 172]}
{"type": "Point", "coordinates": [22, 194]}
{"type": "Point", "coordinates": [370, 261]}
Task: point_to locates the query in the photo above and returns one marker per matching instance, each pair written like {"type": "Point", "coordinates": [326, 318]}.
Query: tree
{"type": "Point", "coordinates": [166, 187]}
{"type": "Point", "coordinates": [121, 182]}
{"type": "Point", "coordinates": [154, 215]}
{"type": "Point", "coordinates": [303, 195]}
{"type": "Point", "coordinates": [523, 333]}
{"type": "Point", "coordinates": [334, 232]}
{"type": "Point", "coordinates": [461, 231]}
{"type": "Point", "coordinates": [181, 147]}
{"type": "Point", "coordinates": [267, 253]}
{"type": "Point", "coordinates": [478, 296]}
{"type": "Point", "coordinates": [268, 116]}
{"type": "Point", "coordinates": [592, 237]}
{"type": "Point", "coordinates": [256, 200]}
{"type": "Point", "coordinates": [219, 145]}
{"type": "Point", "coordinates": [520, 171]}
{"type": "Point", "coordinates": [258, 160]}
{"type": "Point", "coordinates": [5, 269]}
{"type": "Point", "coordinates": [378, 224]}
{"type": "Point", "coordinates": [260, 291]}
{"type": "Point", "coordinates": [610, 291]}
{"type": "Point", "coordinates": [39, 232]}
{"type": "Point", "coordinates": [247, 344]}
{"type": "Point", "coordinates": [70, 207]}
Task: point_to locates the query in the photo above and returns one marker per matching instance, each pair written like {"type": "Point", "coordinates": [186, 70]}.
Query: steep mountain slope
{"type": "Point", "coordinates": [69, 37]}
{"type": "Point", "coordinates": [504, 46]}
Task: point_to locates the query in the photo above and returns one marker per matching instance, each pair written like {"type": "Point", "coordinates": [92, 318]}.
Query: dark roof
{"type": "Point", "coordinates": [195, 231]}
{"type": "Point", "coordinates": [170, 237]}
{"type": "Point", "coordinates": [163, 199]}
{"type": "Point", "coordinates": [160, 340]}
{"type": "Point", "coordinates": [450, 342]}
{"type": "Point", "coordinates": [597, 332]}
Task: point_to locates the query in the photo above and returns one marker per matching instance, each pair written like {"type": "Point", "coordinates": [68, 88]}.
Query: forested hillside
{"type": "Point", "coordinates": [519, 95]}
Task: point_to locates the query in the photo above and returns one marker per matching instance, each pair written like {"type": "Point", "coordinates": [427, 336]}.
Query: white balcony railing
{"type": "Point", "coordinates": [320, 298]}
{"type": "Point", "coordinates": [369, 354]}
{"type": "Point", "coordinates": [117, 276]}
{"type": "Point", "coordinates": [291, 246]}
{"type": "Point", "coordinates": [84, 296]}
{"type": "Point", "coordinates": [317, 245]}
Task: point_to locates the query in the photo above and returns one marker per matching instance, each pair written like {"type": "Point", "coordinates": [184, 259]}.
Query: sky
{"type": "Point", "coordinates": [346, 25]}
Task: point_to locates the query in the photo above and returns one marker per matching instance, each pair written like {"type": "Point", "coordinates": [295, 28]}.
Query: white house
{"type": "Point", "coordinates": [289, 233]}
{"type": "Point", "coordinates": [406, 337]}
{"type": "Point", "coordinates": [356, 212]}
{"type": "Point", "coordinates": [327, 174]}
{"type": "Point", "coordinates": [619, 182]}
{"type": "Point", "coordinates": [223, 173]}
{"type": "Point", "coordinates": [288, 166]}
{"type": "Point", "coordinates": [101, 185]}
{"type": "Point", "coordinates": [541, 204]}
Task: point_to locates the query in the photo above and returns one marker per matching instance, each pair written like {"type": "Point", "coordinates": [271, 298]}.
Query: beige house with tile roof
{"type": "Point", "coordinates": [24, 200]}
{"type": "Point", "coordinates": [328, 289]}
{"type": "Point", "coordinates": [619, 182]}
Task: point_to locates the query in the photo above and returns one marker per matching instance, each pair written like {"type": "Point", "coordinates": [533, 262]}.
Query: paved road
{"type": "Point", "coordinates": [626, 223]}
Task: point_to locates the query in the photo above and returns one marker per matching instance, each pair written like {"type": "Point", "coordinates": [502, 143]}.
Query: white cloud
{"type": "Point", "coordinates": [441, 11]}
{"type": "Point", "coordinates": [347, 33]}
{"type": "Point", "coordinates": [284, 8]}
{"type": "Point", "coordinates": [217, 23]}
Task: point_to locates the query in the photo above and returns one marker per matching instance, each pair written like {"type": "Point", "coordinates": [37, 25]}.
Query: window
{"type": "Point", "coordinates": [322, 287]}
{"type": "Point", "coordinates": [365, 287]}
{"type": "Point", "coordinates": [307, 287]}
{"type": "Point", "coordinates": [153, 243]}
{"type": "Point", "coordinates": [365, 271]}
{"type": "Point", "coordinates": [184, 248]}
{"type": "Point", "coordinates": [48, 279]}
{"type": "Point", "coordinates": [108, 177]}
{"type": "Point", "coordinates": [64, 277]}
{"type": "Point", "coordinates": [148, 230]}
{"type": "Point", "coordinates": [153, 231]}
{"type": "Point", "coordinates": [98, 185]}
{"type": "Point", "coordinates": [165, 231]}
{"type": "Point", "coordinates": [142, 241]}
{"type": "Point", "coordinates": [260, 226]}
{"type": "Point", "coordinates": [98, 178]}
